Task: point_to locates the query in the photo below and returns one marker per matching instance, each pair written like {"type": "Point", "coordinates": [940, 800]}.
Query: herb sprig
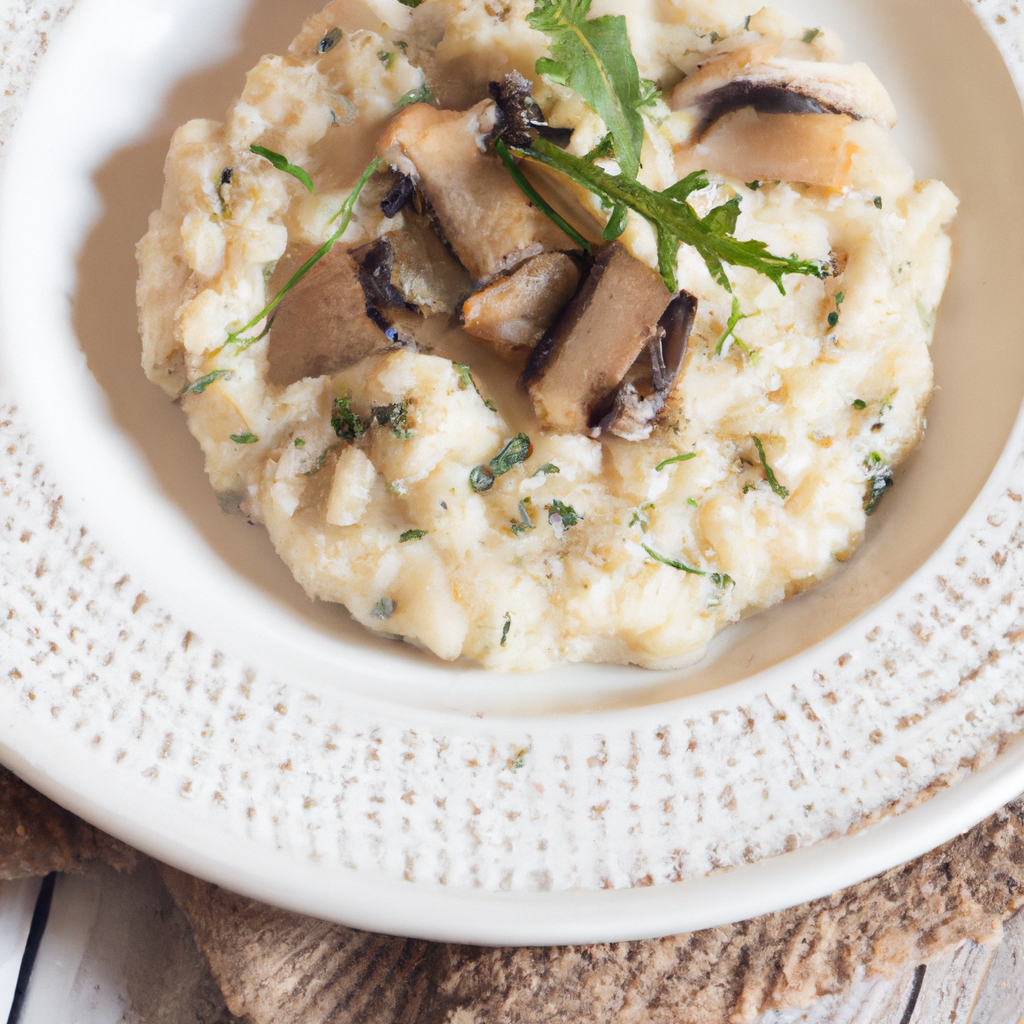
{"type": "Point", "coordinates": [720, 579]}
{"type": "Point", "coordinates": [518, 450]}
{"type": "Point", "coordinates": [593, 58]}
{"type": "Point", "coordinates": [282, 164]}
{"type": "Point", "coordinates": [781, 491]}
{"type": "Point", "coordinates": [674, 220]}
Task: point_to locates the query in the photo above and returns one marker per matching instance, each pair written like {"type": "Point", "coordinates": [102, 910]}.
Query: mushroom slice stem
{"type": "Point", "coordinates": [642, 395]}
{"type": "Point", "coordinates": [489, 223]}
{"type": "Point", "coordinates": [588, 352]}
{"type": "Point", "coordinates": [754, 77]}
{"type": "Point", "coordinates": [748, 145]}
{"type": "Point", "coordinates": [513, 313]}
{"type": "Point", "coordinates": [321, 326]}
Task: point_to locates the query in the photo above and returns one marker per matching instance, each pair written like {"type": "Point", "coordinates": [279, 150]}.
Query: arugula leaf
{"type": "Point", "coordinates": [781, 491]}
{"type": "Point", "coordinates": [592, 57]}
{"type": "Point", "coordinates": [197, 387]}
{"type": "Point", "coordinates": [345, 214]}
{"type": "Point", "coordinates": [720, 579]}
{"type": "Point", "coordinates": [282, 164]}
{"type": "Point", "coordinates": [675, 221]}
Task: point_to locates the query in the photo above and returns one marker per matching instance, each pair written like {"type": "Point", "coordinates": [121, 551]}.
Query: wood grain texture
{"type": "Point", "coordinates": [277, 966]}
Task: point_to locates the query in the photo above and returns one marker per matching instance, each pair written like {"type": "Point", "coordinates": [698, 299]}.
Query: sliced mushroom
{"type": "Point", "coordinates": [643, 393]}
{"type": "Point", "coordinates": [754, 77]}
{"type": "Point", "coordinates": [749, 145]}
{"type": "Point", "coordinates": [513, 313]}
{"type": "Point", "coordinates": [321, 326]}
{"type": "Point", "coordinates": [489, 223]}
{"type": "Point", "coordinates": [586, 355]}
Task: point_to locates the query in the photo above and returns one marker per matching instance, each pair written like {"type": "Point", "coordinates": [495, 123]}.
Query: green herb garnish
{"type": "Point", "coordinates": [692, 502]}
{"type": "Point", "coordinates": [345, 214]}
{"type": "Point", "coordinates": [753, 185]}
{"type": "Point", "coordinates": [735, 318]}
{"type": "Point", "coordinates": [640, 517]}
{"type": "Point", "coordinates": [466, 381]}
{"type": "Point", "coordinates": [592, 57]}
{"type": "Point", "coordinates": [322, 460]}
{"type": "Point", "coordinates": [386, 58]}
{"type": "Point", "coordinates": [565, 513]}
{"type": "Point", "coordinates": [518, 450]}
{"type": "Point", "coordinates": [395, 416]}
{"type": "Point", "coordinates": [811, 34]}
{"type": "Point", "coordinates": [525, 523]}
{"type": "Point", "coordinates": [412, 535]}
{"type": "Point", "coordinates": [781, 491]}
{"type": "Point", "coordinates": [423, 94]}
{"type": "Point", "coordinates": [411, 3]}
{"type": "Point", "coordinates": [685, 457]}
{"type": "Point", "coordinates": [718, 578]}
{"type": "Point", "coordinates": [674, 220]}
{"type": "Point", "coordinates": [246, 438]}
{"type": "Point", "coordinates": [859, 403]}
{"type": "Point", "coordinates": [197, 387]}
{"type": "Point", "coordinates": [330, 41]}
{"type": "Point", "coordinates": [833, 319]}
{"type": "Point", "coordinates": [504, 638]}
{"type": "Point", "coordinates": [547, 469]}
{"type": "Point", "coordinates": [299, 443]}
{"type": "Point", "coordinates": [879, 480]}
{"type": "Point", "coordinates": [878, 202]}
{"type": "Point", "coordinates": [384, 608]}
{"type": "Point", "coordinates": [347, 425]}
{"type": "Point", "coordinates": [282, 164]}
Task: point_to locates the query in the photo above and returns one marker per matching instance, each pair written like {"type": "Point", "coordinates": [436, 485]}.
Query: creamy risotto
{"type": "Point", "coordinates": [528, 390]}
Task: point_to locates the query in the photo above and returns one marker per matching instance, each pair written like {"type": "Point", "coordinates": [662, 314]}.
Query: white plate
{"type": "Point", "coordinates": [204, 710]}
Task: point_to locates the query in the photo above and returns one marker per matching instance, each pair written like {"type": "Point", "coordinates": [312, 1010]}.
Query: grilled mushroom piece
{"type": "Point", "coordinates": [643, 393]}
{"type": "Point", "coordinates": [513, 313]}
{"type": "Point", "coordinates": [321, 327]}
{"type": "Point", "coordinates": [489, 223]}
{"type": "Point", "coordinates": [586, 355]}
{"type": "Point", "coordinates": [753, 76]}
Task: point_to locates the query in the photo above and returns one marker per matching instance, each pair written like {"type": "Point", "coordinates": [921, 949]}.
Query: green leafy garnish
{"type": "Point", "coordinates": [692, 502]}
{"type": "Point", "coordinates": [674, 220]}
{"type": "Point", "coordinates": [504, 638]}
{"type": "Point", "coordinates": [518, 450]}
{"type": "Point", "coordinates": [753, 185]}
{"type": "Point", "coordinates": [411, 3]}
{"type": "Point", "coordinates": [735, 318]}
{"type": "Point", "coordinates": [859, 403]}
{"type": "Point", "coordinates": [592, 57]}
{"type": "Point", "coordinates": [330, 41]}
{"type": "Point", "coordinates": [384, 608]}
{"type": "Point", "coordinates": [412, 535]}
{"type": "Point", "coordinates": [781, 491]}
{"type": "Point", "coordinates": [345, 215]}
{"type": "Point", "coordinates": [466, 382]}
{"type": "Point", "coordinates": [685, 457]}
{"type": "Point", "coordinates": [718, 578]}
{"type": "Point", "coordinates": [395, 416]}
{"type": "Point", "coordinates": [879, 480]}
{"type": "Point", "coordinates": [246, 438]}
{"type": "Point", "coordinates": [878, 202]}
{"type": "Point", "coordinates": [566, 514]}
{"type": "Point", "coordinates": [197, 387]}
{"type": "Point", "coordinates": [811, 34]}
{"type": "Point", "coordinates": [322, 460]}
{"type": "Point", "coordinates": [282, 164]}
{"type": "Point", "coordinates": [386, 58]}
{"type": "Point", "coordinates": [525, 523]}
{"type": "Point", "coordinates": [347, 425]}
{"type": "Point", "coordinates": [536, 198]}
{"type": "Point", "coordinates": [640, 517]}
{"type": "Point", "coordinates": [299, 443]}
{"type": "Point", "coordinates": [423, 94]}
{"type": "Point", "coordinates": [547, 469]}
{"type": "Point", "coordinates": [833, 317]}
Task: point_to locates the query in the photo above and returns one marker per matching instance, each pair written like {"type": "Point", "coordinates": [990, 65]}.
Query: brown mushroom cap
{"type": "Point", "coordinates": [489, 223]}
{"type": "Point", "coordinates": [586, 355]}
{"type": "Point", "coordinates": [513, 313]}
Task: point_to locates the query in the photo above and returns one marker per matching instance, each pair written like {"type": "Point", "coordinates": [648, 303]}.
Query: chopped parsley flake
{"type": "Point", "coordinates": [879, 480]}
{"type": "Point", "coordinates": [246, 438]}
{"type": "Point", "coordinates": [547, 469]}
{"type": "Point", "coordinates": [412, 535]}
{"type": "Point", "coordinates": [386, 58]}
{"type": "Point", "coordinates": [395, 416]}
{"type": "Point", "coordinates": [811, 34]}
{"type": "Point", "coordinates": [330, 41]}
{"type": "Point", "coordinates": [322, 461]}
{"type": "Point", "coordinates": [525, 522]}
{"type": "Point", "coordinates": [504, 639]}
{"type": "Point", "coordinates": [753, 185]}
{"type": "Point", "coordinates": [860, 404]}
{"type": "Point", "coordinates": [299, 443]}
{"type": "Point", "coordinates": [833, 318]}
{"type": "Point", "coordinates": [197, 387]}
{"type": "Point", "coordinates": [692, 502]}
{"type": "Point", "coordinates": [719, 579]}
{"type": "Point", "coordinates": [466, 381]}
{"type": "Point", "coordinates": [411, 3]}
{"type": "Point", "coordinates": [781, 491]}
{"type": "Point", "coordinates": [685, 457]}
{"type": "Point", "coordinates": [424, 94]}
{"type": "Point", "coordinates": [282, 164]}
{"type": "Point", "coordinates": [347, 425]}
{"type": "Point", "coordinates": [566, 515]}
{"type": "Point", "coordinates": [516, 451]}
{"type": "Point", "coordinates": [878, 202]}
{"type": "Point", "coordinates": [384, 608]}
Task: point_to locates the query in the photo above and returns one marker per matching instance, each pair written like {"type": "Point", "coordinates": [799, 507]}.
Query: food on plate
{"type": "Point", "coordinates": [536, 333]}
